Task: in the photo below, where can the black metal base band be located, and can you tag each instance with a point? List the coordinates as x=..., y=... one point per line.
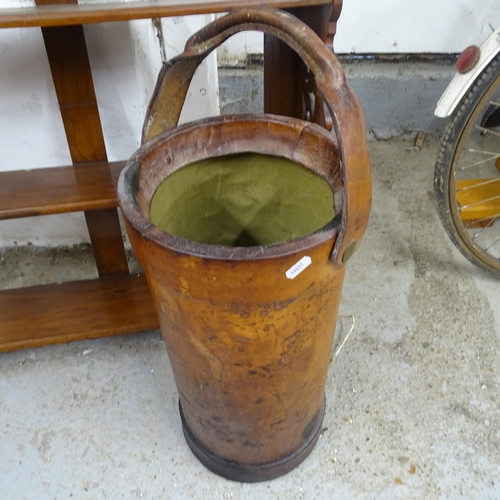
x=252, y=473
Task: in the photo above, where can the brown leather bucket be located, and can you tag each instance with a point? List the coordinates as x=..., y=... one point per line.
x=249, y=329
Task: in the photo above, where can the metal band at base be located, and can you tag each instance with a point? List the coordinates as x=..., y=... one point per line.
x=252, y=473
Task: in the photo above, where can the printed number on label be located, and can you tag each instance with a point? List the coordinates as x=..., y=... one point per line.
x=297, y=268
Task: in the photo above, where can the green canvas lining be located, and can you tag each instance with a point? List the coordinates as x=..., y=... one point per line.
x=244, y=199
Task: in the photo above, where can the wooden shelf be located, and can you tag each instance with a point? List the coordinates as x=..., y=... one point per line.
x=52, y=314
x=116, y=303
x=44, y=191
x=71, y=14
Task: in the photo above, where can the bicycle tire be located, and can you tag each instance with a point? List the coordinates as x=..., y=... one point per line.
x=457, y=132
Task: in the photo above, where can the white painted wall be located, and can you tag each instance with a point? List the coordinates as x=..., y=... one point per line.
x=385, y=26
x=414, y=25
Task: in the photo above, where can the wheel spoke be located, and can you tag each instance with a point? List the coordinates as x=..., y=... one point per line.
x=492, y=245
x=487, y=130
x=480, y=202
x=490, y=223
x=467, y=177
x=490, y=156
x=479, y=184
x=491, y=220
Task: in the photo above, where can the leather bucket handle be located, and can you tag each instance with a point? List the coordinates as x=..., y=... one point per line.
x=175, y=77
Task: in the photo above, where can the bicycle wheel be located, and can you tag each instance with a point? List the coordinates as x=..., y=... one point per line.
x=467, y=172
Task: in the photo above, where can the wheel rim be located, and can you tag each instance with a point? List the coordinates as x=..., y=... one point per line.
x=474, y=183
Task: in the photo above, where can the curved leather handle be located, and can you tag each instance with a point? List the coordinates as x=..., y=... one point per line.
x=173, y=83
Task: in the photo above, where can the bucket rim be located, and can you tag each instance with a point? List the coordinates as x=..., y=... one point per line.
x=147, y=230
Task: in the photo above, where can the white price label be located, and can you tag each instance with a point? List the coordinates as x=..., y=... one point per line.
x=297, y=268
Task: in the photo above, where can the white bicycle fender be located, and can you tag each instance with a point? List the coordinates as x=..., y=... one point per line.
x=461, y=83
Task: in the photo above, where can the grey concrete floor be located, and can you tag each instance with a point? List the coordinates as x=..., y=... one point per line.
x=412, y=400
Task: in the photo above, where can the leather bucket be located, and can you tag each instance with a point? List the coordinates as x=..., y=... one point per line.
x=248, y=319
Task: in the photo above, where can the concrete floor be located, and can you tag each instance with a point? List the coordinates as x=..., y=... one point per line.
x=412, y=401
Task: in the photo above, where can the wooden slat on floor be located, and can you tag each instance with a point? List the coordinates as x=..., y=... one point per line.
x=56, y=190
x=51, y=314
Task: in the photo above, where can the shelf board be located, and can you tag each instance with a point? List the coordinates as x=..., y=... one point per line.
x=56, y=190
x=53, y=314
x=71, y=14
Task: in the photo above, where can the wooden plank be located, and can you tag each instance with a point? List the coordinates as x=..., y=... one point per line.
x=45, y=191
x=66, y=15
x=107, y=241
x=479, y=198
x=284, y=72
x=72, y=76
x=51, y=314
